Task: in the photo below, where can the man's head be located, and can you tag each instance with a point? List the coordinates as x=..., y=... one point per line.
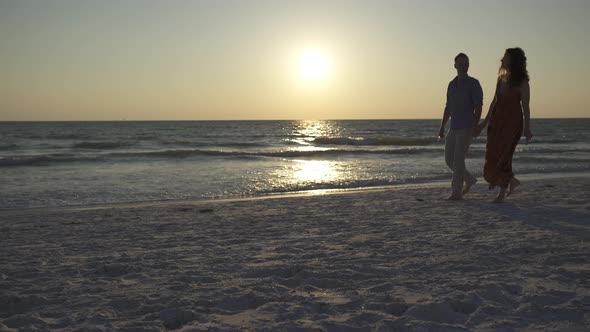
x=462, y=64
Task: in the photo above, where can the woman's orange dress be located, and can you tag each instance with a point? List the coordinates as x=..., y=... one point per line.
x=504, y=132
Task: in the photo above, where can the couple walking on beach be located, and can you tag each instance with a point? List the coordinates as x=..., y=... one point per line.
x=507, y=120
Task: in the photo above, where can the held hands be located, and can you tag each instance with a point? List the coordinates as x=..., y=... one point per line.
x=477, y=129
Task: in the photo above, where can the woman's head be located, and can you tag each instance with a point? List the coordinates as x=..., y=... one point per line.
x=513, y=66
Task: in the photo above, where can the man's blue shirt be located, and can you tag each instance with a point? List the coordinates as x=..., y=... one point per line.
x=463, y=96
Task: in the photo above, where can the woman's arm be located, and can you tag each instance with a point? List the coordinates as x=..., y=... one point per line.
x=490, y=111
x=525, y=99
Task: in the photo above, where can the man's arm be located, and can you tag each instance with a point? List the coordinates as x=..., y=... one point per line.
x=443, y=122
x=477, y=114
x=445, y=118
x=478, y=101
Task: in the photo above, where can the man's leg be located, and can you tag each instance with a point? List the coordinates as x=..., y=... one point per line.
x=450, y=151
x=469, y=179
x=462, y=141
x=450, y=148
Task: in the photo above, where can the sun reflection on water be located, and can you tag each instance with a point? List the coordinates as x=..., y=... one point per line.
x=305, y=132
x=304, y=172
x=314, y=171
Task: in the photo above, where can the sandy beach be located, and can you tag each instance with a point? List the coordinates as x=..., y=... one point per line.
x=396, y=259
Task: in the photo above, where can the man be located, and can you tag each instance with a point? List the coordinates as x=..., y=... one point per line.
x=464, y=101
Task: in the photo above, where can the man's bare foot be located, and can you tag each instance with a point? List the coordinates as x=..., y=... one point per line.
x=513, y=184
x=468, y=185
x=454, y=198
x=500, y=197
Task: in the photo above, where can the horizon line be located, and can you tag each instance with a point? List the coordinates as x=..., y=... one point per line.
x=220, y=120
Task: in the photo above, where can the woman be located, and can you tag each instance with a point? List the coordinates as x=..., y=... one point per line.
x=505, y=122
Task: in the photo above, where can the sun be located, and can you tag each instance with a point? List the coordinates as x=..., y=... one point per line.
x=313, y=65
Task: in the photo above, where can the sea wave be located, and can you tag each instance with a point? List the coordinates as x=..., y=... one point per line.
x=383, y=140
x=548, y=140
x=178, y=142
x=548, y=156
x=185, y=153
x=97, y=145
x=244, y=145
x=541, y=155
x=146, y=137
x=6, y=147
x=213, y=144
x=415, y=141
x=353, y=184
x=70, y=136
x=42, y=160
x=550, y=160
x=556, y=150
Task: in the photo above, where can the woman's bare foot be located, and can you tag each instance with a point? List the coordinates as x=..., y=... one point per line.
x=513, y=184
x=500, y=197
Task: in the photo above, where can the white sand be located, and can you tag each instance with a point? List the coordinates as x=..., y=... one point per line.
x=384, y=260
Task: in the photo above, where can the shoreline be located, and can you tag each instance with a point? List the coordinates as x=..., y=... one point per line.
x=278, y=195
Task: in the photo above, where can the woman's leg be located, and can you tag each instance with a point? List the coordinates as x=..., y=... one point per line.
x=501, y=196
x=514, y=182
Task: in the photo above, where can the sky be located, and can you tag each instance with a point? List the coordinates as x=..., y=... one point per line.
x=242, y=59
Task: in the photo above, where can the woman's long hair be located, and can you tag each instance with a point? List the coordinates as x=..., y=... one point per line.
x=517, y=72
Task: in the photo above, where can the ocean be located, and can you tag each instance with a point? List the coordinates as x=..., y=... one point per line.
x=54, y=164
